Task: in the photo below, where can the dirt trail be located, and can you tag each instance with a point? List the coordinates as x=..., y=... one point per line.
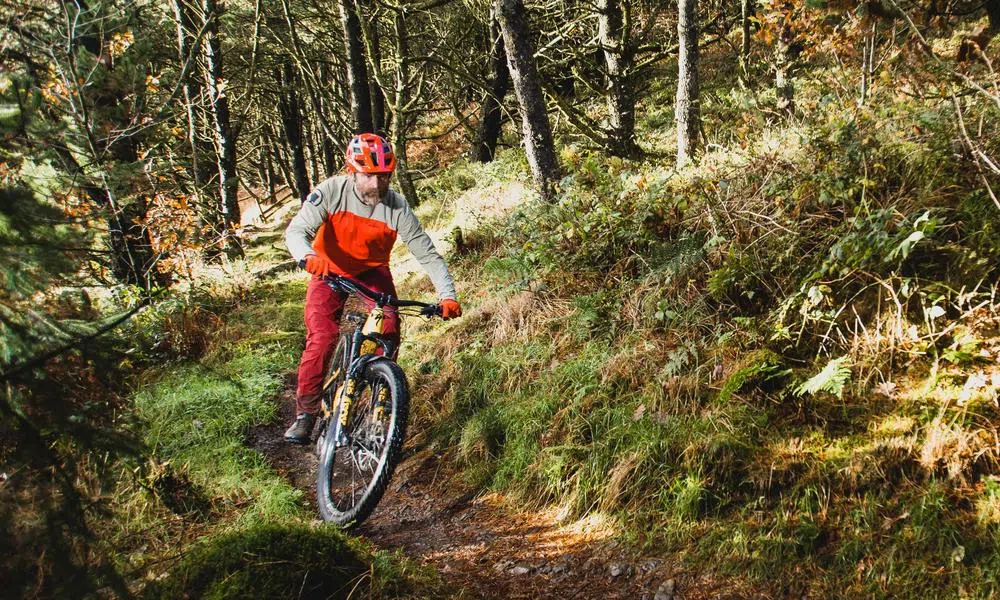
x=481, y=547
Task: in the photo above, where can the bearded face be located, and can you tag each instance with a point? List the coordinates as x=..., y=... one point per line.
x=371, y=187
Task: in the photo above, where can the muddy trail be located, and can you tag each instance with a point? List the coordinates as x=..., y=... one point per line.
x=482, y=547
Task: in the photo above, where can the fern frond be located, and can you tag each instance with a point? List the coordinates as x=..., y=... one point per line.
x=832, y=379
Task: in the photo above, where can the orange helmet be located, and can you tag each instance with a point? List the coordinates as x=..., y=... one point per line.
x=370, y=153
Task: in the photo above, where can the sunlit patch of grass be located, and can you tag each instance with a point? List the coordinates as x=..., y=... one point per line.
x=198, y=417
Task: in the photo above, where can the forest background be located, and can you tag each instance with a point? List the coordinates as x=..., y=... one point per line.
x=756, y=280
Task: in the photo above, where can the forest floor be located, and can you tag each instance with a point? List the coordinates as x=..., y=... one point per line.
x=482, y=546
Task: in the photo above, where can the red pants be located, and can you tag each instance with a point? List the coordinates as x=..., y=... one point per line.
x=323, y=310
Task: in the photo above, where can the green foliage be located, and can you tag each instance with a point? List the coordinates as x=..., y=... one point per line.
x=761, y=366
x=60, y=420
x=685, y=497
x=29, y=229
x=831, y=379
x=602, y=221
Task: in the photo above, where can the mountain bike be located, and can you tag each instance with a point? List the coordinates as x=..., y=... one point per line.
x=366, y=401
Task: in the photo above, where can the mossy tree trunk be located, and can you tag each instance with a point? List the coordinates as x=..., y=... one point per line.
x=783, y=59
x=747, y=10
x=613, y=31
x=686, y=109
x=538, y=145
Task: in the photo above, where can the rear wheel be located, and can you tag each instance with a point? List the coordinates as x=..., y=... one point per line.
x=353, y=476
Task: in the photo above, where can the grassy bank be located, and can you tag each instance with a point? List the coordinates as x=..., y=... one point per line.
x=781, y=362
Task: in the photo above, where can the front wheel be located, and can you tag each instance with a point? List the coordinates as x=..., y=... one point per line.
x=353, y=475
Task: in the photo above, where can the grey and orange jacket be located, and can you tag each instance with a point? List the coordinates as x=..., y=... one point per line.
x=335, y=223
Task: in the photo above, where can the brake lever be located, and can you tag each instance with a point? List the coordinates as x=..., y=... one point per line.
x=433, y=310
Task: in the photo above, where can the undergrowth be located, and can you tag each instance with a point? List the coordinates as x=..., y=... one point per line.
x=779, y=362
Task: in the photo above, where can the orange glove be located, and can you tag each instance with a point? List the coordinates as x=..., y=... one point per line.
x=317, y=265
x=450, y=309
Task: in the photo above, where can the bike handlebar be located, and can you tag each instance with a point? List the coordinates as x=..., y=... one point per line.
x=345, y=284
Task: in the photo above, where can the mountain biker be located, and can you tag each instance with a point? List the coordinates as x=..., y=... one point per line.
x=347, y=226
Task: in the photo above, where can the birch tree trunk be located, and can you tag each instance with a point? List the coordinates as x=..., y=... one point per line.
x=538, y=144
x=491, y=118
x=225, y=144
x=357, y=71
x=620, y=92
x=686, y=109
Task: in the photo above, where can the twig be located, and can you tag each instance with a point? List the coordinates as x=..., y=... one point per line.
x=975, y=152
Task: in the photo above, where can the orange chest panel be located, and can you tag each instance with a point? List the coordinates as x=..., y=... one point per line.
x=355, y=244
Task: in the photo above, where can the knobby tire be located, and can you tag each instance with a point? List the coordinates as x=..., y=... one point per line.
x=340, y=469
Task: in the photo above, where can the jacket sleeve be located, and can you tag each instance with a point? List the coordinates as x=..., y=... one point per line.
x=302, y=230
x=423, y=249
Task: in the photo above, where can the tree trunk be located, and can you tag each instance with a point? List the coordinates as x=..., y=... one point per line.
x=130, y=250
x=184, y=25
x=783, y=84
x=379, y=125
x=747, y=9
x=620, y=93
x=357, y=71
x=329, y=156
x=867, y=62
x=538, y=144
x=402, y=122
x=310, y=137
x=281, y=155
x=267, y=162
x=225, y=143
x=491, y=120
x=686, y=109
x=291, y=121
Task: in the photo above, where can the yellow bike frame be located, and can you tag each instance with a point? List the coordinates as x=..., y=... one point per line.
x=375, y=323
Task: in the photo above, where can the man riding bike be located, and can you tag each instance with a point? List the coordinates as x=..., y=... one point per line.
x=347, y=226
